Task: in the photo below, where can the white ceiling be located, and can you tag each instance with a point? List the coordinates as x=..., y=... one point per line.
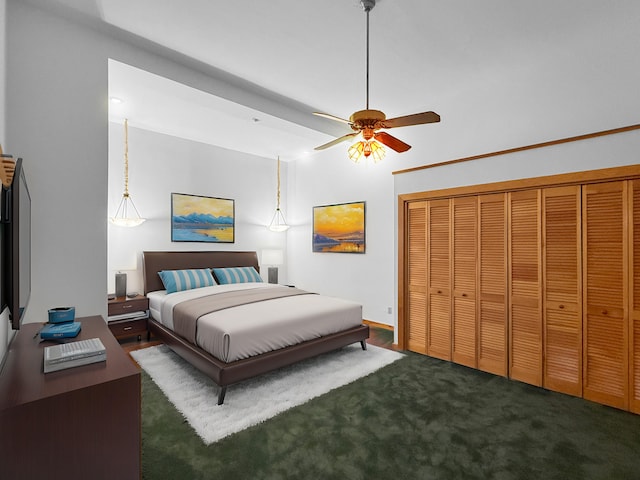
x=423, y=54
x=160, y=105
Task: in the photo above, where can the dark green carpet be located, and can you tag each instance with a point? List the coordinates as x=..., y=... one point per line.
x=418, y=418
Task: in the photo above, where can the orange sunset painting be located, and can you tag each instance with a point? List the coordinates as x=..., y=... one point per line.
x=339, y=228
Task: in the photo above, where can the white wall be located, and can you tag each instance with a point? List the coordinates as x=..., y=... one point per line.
x=592, y=154
x=251, y=181
x=57, y=87
x=330, y=178
x=585, y=83
x=57, y=106
x=161, y=164
x=57, y=92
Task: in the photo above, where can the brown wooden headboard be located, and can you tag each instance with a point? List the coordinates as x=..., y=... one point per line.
x=154, y=262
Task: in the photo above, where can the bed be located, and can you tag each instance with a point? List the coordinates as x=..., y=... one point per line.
x=235, y=361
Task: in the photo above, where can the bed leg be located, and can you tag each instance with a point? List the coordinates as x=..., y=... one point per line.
x=221, y=393
x=364, y=344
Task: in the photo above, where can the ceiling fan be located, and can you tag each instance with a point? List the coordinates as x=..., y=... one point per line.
x=369, y=122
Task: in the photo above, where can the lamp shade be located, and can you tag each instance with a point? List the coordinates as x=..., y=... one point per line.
x=366, y=148
x=278, y=222
x=272, y=257
x=122, y=217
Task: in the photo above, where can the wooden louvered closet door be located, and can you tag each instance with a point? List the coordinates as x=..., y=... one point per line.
x=464, y=272
x=416, y=324
x=634, y=346
x=605, y=302
x=492, y=284
x=438, y=278
x=525, y=287
x=562, y=280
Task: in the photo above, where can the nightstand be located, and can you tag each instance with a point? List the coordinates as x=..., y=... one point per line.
x=128, y=316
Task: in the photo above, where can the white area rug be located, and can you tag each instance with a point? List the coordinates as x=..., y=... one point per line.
x=195, y=395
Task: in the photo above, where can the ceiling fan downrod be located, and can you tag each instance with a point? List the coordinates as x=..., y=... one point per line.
x=368, y=123
x=367, y=5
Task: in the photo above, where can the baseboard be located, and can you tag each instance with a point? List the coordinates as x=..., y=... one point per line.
x=371, y=323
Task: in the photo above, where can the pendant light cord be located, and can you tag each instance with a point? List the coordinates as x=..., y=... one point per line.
x=278, y=196
x=126, y=157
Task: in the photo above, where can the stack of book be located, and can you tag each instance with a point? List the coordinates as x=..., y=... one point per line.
x=61, y=324
x=73, y=354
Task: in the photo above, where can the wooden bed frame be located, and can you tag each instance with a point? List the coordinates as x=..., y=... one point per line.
x=225, y=374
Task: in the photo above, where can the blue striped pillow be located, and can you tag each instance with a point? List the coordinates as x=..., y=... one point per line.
x=179, y=280
x=237, y=275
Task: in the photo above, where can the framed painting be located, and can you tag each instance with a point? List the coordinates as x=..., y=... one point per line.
x=195, y=218
x=339, y=228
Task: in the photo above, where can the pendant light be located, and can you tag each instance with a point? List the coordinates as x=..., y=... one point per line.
x=278, y=222
x=126, y=207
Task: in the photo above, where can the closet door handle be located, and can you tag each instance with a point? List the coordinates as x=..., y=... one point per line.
x=561, y=306
x=439, y=291
x=464, y=294
x=604, y=312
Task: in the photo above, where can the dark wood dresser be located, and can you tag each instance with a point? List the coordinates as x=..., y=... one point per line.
x=82, y=422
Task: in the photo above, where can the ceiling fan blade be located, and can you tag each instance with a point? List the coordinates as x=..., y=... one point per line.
x=392, y=142
x=332, y=117
x=337, y=141
x=408, y=120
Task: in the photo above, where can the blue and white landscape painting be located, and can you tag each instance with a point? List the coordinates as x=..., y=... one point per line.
x=202, y=219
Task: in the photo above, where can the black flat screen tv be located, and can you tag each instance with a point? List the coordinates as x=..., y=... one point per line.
x=16, y=246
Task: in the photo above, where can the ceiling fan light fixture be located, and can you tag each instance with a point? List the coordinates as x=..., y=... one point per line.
x=355, y=151
x=366, y=149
